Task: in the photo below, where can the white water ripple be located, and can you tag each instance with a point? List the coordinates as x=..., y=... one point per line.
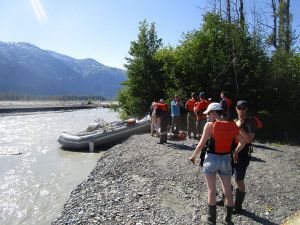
x=36, y=176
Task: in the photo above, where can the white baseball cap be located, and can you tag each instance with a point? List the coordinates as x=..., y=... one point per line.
x=213, y=107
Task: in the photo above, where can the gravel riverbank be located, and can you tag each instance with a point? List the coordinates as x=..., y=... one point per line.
x=35, y=106
x=140, y=182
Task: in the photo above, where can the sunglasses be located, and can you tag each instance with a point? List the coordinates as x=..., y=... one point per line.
x=241, y=107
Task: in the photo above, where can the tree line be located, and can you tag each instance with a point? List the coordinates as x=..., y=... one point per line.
x=12, y=96
x=225, y=53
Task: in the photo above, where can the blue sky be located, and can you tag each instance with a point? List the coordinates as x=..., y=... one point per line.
x=103, y=29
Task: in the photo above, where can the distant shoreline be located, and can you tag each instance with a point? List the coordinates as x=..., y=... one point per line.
x=35, y=106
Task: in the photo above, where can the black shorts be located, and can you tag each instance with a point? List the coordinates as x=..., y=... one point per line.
x=239, y=169
x=157, y=112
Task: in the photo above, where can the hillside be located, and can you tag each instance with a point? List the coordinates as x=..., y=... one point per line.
x=25, y=68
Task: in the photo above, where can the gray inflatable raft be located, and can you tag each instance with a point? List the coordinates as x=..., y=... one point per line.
x=109, y=134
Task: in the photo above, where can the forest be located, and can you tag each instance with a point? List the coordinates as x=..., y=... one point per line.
x=252, y=61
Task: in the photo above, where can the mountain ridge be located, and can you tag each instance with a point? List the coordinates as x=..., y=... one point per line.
x=26, y=68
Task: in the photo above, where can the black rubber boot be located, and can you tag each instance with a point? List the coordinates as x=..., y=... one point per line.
x=228, y=215
x=165, y=138
x=239, y=199
x=210, y=218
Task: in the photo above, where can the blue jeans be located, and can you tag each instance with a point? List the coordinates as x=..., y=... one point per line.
x=220, y=164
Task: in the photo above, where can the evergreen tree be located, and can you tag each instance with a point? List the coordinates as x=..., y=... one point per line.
x=145, y=79
x=220, y=56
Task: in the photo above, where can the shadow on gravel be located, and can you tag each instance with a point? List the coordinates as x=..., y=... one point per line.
x=265, y=147
x=257, y=219
x=255, y=159
x=181, y=146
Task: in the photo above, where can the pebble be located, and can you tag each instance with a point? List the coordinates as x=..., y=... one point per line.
x=141, y=183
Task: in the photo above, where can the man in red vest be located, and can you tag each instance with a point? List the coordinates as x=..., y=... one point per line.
x=199, y=108
x=191, y=118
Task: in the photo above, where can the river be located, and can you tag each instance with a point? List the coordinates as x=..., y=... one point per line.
x=36, y=175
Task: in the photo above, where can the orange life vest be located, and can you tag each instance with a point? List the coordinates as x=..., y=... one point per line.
x=222, y=135
x=190, y=104
x=162, y=106
x=201, y=107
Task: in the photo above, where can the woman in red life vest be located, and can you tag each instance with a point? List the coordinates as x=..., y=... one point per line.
x=219, y=135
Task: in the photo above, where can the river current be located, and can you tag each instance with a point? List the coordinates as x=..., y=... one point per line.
x=36, y=175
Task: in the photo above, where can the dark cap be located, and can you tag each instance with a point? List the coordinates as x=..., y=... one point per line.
x=202, y=94
x=242, y=103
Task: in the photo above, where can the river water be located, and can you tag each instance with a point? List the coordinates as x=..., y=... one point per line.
x=36, y=175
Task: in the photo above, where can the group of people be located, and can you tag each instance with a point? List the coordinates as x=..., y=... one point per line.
x=195, y=106
x=226, y=140
x=195, y=117
x=227, y=144
x=160, y=113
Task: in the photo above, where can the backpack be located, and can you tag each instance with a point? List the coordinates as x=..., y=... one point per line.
x=259, y=123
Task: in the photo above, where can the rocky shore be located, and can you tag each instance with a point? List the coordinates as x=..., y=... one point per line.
x=140, y=182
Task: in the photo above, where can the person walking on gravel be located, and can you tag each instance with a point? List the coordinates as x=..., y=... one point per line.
x=219, y=136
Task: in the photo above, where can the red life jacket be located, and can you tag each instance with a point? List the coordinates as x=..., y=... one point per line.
x=190, y=105
x=162, y=106
x=222, y=135
x=259, y=123
x=201, y=107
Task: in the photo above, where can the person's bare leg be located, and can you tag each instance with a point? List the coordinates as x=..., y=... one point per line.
x=226, y=186
x=211, y=189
